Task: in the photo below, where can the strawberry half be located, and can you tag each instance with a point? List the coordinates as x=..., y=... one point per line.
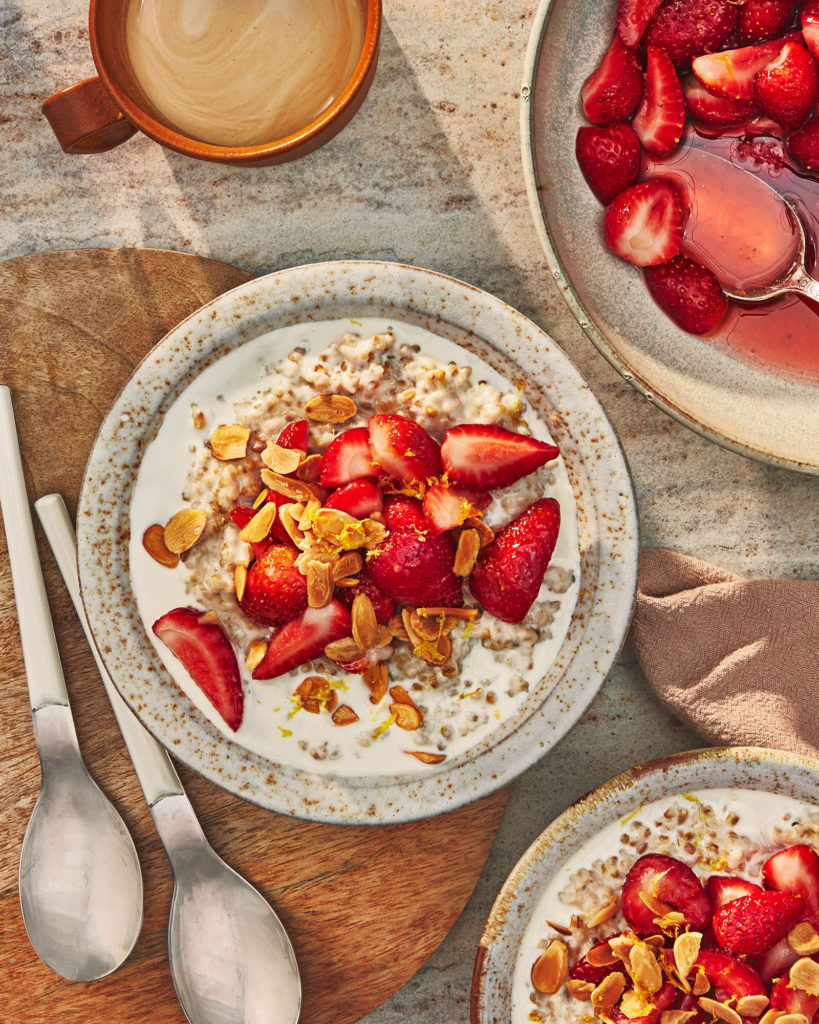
x=796, y=870
x=293, y=435
x=804, y=145
x=809, y=19
x=633, y=17
x=609, y=159
x=403, y=449
x=660, y=118
x=509, y=571
x=776, y=962
x=764, y=19
x=303, y=639
x=730, y=977
x=793, y=1000
x=448, y=507
x=672, y=883
x=723, y=889
x=275, y=590
x=732, y=72
x=686, y=28
x=487, y=456
x=359, y=498
x=752, y=924
x=347, y=457
x=613, y=90
x=688, y=292
x=717, y=111
x=785, y=88
x=644, y=224
x=199, y=643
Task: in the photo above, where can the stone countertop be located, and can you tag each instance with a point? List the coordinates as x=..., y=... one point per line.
x=429, y=173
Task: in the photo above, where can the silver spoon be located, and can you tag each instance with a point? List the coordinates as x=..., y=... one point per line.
x=80, y=883
x=231, y=959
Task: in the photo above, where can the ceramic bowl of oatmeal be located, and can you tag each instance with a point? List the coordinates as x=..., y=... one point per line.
x=720, y=813
x=420, y=730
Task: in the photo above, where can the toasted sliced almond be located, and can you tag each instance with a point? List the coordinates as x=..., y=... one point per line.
x=466, y=554
x=316, y=694
x=635, y=1004
x=330, y=522
x=310, y=469
x=396, y=628
x=804, y=975
x=349, y=564
x=344, y=715
x=281, y=460
x=656, y=907
x=306, y=517
x=406, y=717
x=319, y=583
x=676, y=1016
x=377, y=679
x=437, y=653
x=229, y=442
x=720, y=1010
x=792, y=1018
x=551, y=968
x=261, y=498
x=605, y=913
x=412, y=636
x=365, y=624
x=372, y=532
x=485, y=534
x=458, y=613
x=700, y=984
x=772, y=1016
x=428, y=629
x=255, y=652
x=686, y=951
x=426, y=756
x=344, y=650
x=608, y=991
x=330, y=408
x=153, y=540
x=621, y=945
x=803, y=939
x=184, y=529
x=644, y=968
x=655, y=940
x=581, y=990
x=239, y=581
x=296, y=490
x=348, y=582
x=400, y=695
x=752, y=1006
x=260, y=525
x=289, y=516
x=600, y=955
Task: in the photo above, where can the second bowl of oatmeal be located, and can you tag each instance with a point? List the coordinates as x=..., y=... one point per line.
x=324, y=699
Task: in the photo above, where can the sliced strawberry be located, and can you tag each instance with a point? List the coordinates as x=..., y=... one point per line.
x=241, y=515
x=199, y=643
x=275, y=590
x=669, y=881
x=277, y=531
x=764, y=19
x=486, y=456
x=776, y=962
x=796, y=869
x=359, y=498
x=644, y=224
x=804, y=145
x=347, y=457
x=750, y=925
x=448, y=507
x=809, y=18
x=688, y=292
x=722, y=889
x=717, y=111
x=785, y=996
x=729, y=976
x=686, y=28
x=585, y=971
x=293, y=435
x=403, y=449
x=689, y=1003
x=509, y=571
x=612, y=91
x=659, y=1001
x=732, y=72
x=609, y=158
x=383, y=606
x=785, y=88
x=414, y=567
x=633, y=17
x=660, y=119
x=303, y=639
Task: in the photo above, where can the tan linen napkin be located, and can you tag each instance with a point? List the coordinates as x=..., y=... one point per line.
x=737, y=659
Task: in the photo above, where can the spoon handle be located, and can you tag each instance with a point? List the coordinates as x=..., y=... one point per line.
x=807, y=286
x=154, y=769
x=46, y=683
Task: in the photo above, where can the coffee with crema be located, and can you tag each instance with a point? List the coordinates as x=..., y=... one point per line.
x=243, y=72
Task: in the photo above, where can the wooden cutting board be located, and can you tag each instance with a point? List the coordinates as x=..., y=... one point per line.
x=364, y=906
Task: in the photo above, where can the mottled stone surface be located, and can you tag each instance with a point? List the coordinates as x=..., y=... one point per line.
x=428, y=173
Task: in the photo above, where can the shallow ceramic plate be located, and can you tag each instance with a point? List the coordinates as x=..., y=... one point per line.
x=734, y=403
x=520, y=352
x=508, y=946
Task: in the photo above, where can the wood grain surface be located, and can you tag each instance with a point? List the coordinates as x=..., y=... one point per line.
x=365, y=906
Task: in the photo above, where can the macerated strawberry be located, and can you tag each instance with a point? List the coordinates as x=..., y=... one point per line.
x=585, y=971
x=359, y=498
x=383, y=606
x=609, y=158
x=660, y=118
x=690, y=1004
x=293, y=435
x=644, y=224
x=660, y=1001
x=509, y=571
x=688, y=292
x=403, y=449
x=717, y=111
x=686, y=28
x=750, y=925
x=730, y=977
x=486, y=456
x=347, y=457
x=809, y=20
x=804, y=145
x=732, y=72
x=796, y=869
x=275, y=590
x=197, y=640
x=722, y=889
x=764, y=19
x=669, y=881
x=241, y=515
x=633, y=17
x=785, y=88
x=401, y=510
x=447, y=507
x=786, y=997
x=613, y=90
x=303, y=639
x=776, y=962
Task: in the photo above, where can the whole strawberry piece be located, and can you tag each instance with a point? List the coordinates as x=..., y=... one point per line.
x=509, y=571
x=785, y=88
x=275, y=590
x=197, y=640
x=633, y=17
x=644, y=224
x=796, y=870
x=732, y=72
x=809, y=20
x=613, y=90
x=403, y=449
x=686, y=28
x=383, y=606
x=660, y=118
x=764, y=19
x=609, y=158
x=688, y=292
x=717, y=111
x=303, y=639
x=752, y=924
x=723, y=889
x=486, y=456
x=804, y=145
x=668, y=881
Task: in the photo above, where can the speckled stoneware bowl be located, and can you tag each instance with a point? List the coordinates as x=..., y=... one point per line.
x=734, y=403
x=748, y=768
x=513, y=346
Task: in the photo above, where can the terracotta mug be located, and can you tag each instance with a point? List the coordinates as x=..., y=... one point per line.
x=99, y=113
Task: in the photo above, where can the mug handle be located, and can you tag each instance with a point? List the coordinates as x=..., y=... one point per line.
x=85, y=119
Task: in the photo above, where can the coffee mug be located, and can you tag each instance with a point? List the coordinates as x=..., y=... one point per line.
x=99, y=113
